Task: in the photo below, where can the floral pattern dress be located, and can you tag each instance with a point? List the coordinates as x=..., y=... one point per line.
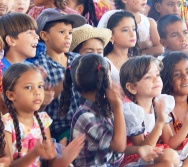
x=29, y=135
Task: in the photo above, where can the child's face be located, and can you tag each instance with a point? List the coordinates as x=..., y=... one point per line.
x=27, y=40
x=59, y=37
x=5, y=6
x=28, y=93
x=180, y=78
x=169, y=7
x=124, y=34
x=92, y=45
x=150, y=85
x=73, y=5
x=135, y=5
x=176, y=37
x=20, y=6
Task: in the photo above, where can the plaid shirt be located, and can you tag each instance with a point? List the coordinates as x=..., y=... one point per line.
x=55, y=72
x=99, y=132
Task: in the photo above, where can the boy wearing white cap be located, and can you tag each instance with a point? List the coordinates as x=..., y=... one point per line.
x=55, y=30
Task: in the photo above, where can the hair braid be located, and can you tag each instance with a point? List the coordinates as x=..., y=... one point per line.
x=16, y=125
x=89, y=7
x=2, y=138
x=66, y=95
x=102, y=85
x=41, y=125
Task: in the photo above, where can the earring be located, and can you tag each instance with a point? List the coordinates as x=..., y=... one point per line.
x=112, y=42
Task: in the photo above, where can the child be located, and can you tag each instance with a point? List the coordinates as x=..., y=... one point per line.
x=173, y=33
x=40, y=5
x=175, y=78
x=6, y=6
x=27, y=131
x=161, y=8
x=55, y=31
x=86, y=8
x=21, y=6
x=18, y=31
x=88, y=39
x=141, y=82
x=147, y=28
x=124, y=41
x=100, y=100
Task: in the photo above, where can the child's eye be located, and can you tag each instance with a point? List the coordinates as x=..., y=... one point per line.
x=125, y=30
x=177, y=75
x=70, y=33
x=179, y=4
x=41, y=86
x=61, y=32
x=28, y=87
x=147, y=77
x=170, y=4
x=186, y=32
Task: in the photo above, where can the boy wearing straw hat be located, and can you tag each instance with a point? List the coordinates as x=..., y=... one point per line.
x=88, y=39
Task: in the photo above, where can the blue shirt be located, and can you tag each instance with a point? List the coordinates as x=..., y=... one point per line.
x=7, y=64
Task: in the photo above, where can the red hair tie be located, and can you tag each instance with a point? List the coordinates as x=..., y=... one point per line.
x=70, y=68
x=99, y=67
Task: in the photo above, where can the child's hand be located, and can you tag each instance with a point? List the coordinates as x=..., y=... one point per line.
x=145, y=44
x=149, y=153
x=5, y=161
x=45, y=150
x=114, y=95
x=73, y=149
x=160, y=108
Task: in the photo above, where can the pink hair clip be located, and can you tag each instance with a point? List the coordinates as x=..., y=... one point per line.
x=99, y=67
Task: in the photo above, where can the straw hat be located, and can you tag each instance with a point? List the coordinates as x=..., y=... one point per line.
x=86, y=32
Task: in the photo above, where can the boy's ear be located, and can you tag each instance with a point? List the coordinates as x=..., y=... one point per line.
x=10, y=40
x=10, y=95
x=80, y=8
x=163, y=42
x=112, y=40
x=131, y=88
x=158, y=7
x=43, y=35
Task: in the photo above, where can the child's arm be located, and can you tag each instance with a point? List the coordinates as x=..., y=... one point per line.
x=157, y=48
x=147, y=153
x=118, y=142
x=157, y=130
x=174, y=141
x=44, y=150
x=69, y=153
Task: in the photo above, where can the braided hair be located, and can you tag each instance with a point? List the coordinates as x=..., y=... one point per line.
x=89, y=11
x=169, y=61
x=10, y=77
x=88, y=73
x=2, y=138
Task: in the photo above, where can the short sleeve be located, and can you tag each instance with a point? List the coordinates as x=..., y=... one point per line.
x=8, y=123
x=134, y=118
x=45, y=118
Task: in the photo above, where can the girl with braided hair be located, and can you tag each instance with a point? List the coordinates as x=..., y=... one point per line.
x=86, y=8
x=90, y=77
x=27, y=130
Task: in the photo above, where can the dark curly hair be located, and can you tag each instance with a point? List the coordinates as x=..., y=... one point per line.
x=134, y=69
x=88, y=73
x=169, y=61
x=10, y=77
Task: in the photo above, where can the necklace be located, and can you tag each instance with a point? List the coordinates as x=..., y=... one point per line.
x=118, y=63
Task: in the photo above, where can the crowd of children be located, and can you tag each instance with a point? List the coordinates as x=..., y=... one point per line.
x=89, y=83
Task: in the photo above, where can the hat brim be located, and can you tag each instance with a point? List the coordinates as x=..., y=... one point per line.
x=83, y=34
